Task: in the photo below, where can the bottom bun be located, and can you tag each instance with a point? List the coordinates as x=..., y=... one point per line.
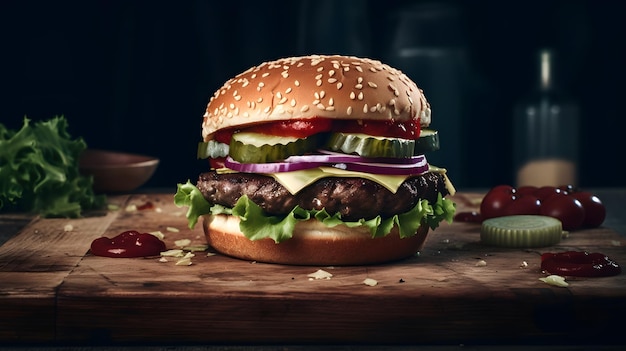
x=313, y=243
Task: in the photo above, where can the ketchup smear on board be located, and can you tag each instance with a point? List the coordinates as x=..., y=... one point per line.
x=128, y=244
x=579, y=264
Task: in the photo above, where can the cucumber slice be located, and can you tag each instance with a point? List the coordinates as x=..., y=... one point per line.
x=212, y=149
x=371, y=146
x=248, y=147
x=428, y=141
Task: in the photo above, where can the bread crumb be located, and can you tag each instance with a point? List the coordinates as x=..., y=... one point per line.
x=481, y=263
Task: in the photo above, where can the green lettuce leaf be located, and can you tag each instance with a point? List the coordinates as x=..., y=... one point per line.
x=39, y=171
x=255, y=224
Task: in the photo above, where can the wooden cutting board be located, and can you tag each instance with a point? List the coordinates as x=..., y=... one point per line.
x=53, y=289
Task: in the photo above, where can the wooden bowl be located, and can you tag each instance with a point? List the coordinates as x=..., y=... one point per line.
x=116, y=172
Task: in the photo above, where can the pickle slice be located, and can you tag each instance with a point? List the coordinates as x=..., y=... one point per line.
x=212, y=149
x=428, y=141
x=371, y=146
x=248, y=147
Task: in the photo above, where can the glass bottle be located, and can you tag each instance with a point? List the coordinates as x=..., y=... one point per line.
x=546, y=127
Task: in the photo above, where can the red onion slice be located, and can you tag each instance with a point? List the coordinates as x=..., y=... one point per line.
x=413, y=165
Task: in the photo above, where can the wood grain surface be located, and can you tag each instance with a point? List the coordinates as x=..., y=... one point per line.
x=53, y=289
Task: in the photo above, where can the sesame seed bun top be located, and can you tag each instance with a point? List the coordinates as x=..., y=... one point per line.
x=337, y=87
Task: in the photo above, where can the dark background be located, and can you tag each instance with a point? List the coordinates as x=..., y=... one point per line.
x=136, y=75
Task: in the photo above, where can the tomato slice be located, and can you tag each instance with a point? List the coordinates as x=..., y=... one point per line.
x=298, y=128
x=395, y=129
x=302, y=128
x=217, y=163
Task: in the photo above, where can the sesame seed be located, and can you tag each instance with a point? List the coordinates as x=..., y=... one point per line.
x=372, y=69
x=246, y=114
x=322, y=94
x=359, y=86
x=318, y=83
x=321, y=68
x=266, y=109
x=279, y=95
x=372, y=85
x=332, y=72
x=285, y=74
x=358, y=68
x=245, y=83
x=296, y=82
x=392, y=102
x=259, y=100
x=352, y=95
x=319, y=76
x=315, y=102
x=359, y=80
x=396, y=111
x=261, y=84
x=237, y=97
x=321, y=107
x=253, y=76
x=332, y=80
x=349, y=110
x=373, y=108
x=293, y=103
x=330, y=108
x=232, y=106
x=339, y=85
x=283, y=100
x=265, y=74
x=331, y=101
x=360, y=96
x=365, y=109
x=288, y=91
x=304, y=108
x=346, y=68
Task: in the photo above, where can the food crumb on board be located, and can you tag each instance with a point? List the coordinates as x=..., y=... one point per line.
x=555, y=280
x=182, y=242
x=524, y=264
x=370, y=282
x=68, y=228
x=172, y=253
x=319, y=274
x=481, y=263
x=186, y=260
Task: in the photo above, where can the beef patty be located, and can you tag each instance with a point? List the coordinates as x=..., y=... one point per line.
x=353, y=198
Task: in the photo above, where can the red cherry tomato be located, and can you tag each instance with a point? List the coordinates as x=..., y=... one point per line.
x=565, y=208
x=595, y=212
x=405, y=129
x=470, y=217
x=527, y=189
x=567, y=189
x=523, y=205
x=496, y=200
x=546, y=192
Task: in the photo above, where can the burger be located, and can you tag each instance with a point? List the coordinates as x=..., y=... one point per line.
x=318, y=160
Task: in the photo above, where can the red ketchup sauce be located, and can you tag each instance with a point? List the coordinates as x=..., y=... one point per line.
x=579, y=264
x=128, y=244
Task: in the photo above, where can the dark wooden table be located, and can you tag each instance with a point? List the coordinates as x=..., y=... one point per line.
x=53, y=291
